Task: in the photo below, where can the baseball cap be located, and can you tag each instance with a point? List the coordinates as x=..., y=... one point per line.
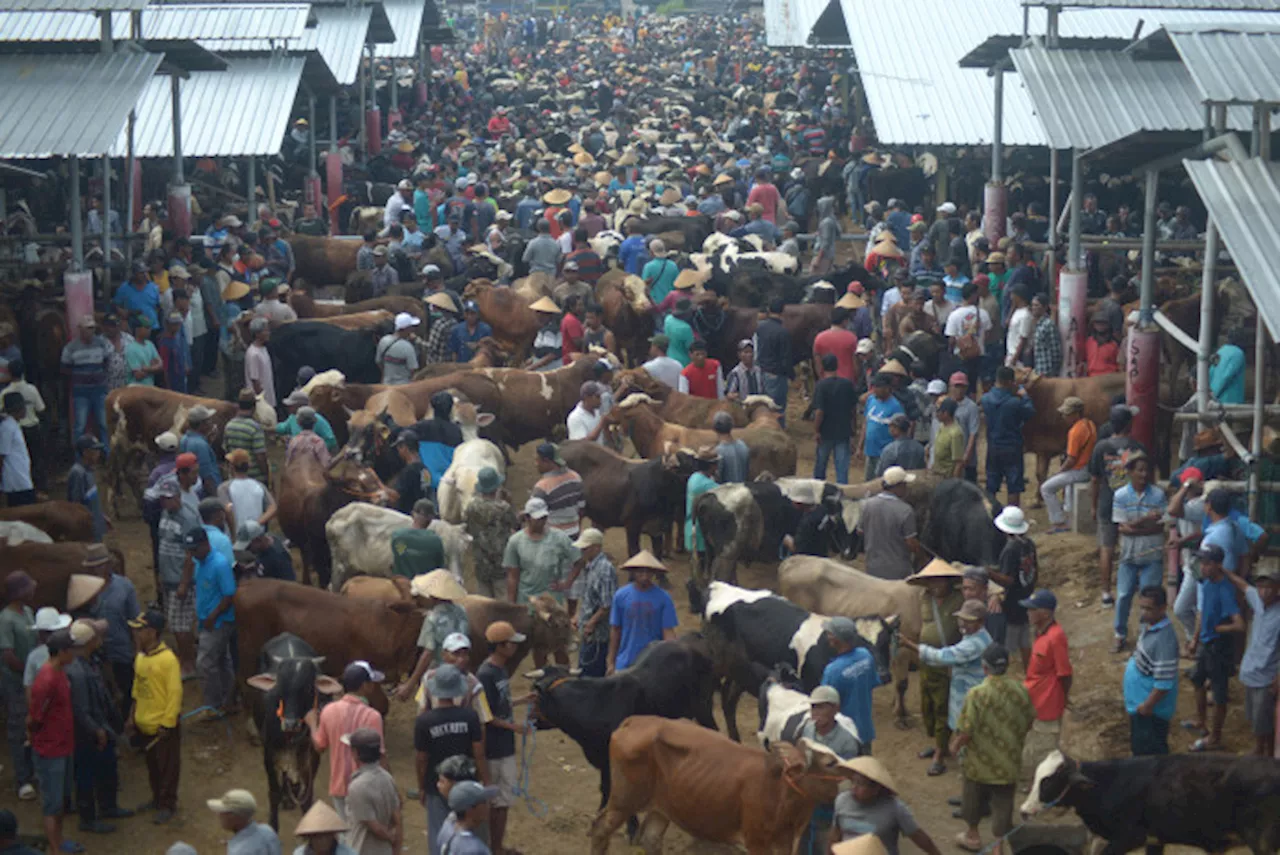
x=895, y=475
x=824, y=695
x=406, y=437
x=195, y=537
x=88, y=442
x=971, y=610
x=1211, y=552
x=1268, y=573
x=250, y=530
x=1191, y=473
x=151, y=618
x=186, y=460
x=360, y=672
x=467, y=794
x=168, y=489
x=549, y=451
x=405, y=321
x=936, y=387
x=866, y=346
x=240, y=802
x=362, y=737
x=500, y=631
x=84, y=631
x=238, y=457
x=1121, y=415
x=1040, y=599
x=167, y=441
x=589, y=537
x=456, y=641
x=842, y=628
x=536, y=508
x=996, y=657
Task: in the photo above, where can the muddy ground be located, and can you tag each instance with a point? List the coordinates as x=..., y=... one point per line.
x=217, y=757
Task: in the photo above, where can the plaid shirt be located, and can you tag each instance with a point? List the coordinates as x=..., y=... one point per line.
x=1048, y=347
x=997, y=714
x=601, y=585
x=438, y=340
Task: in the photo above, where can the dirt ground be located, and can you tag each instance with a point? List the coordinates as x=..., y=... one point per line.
x=217, y=757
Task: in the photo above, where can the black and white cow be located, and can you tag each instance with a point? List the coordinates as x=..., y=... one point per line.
x=740, y=522
x=750, y=633
x=1209, y=801
x=784, y=711
x=290, y=684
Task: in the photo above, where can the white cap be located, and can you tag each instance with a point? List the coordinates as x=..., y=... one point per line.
x=405, y=184
x=536, y=508
x=456, y=641
x=404, y=321
x=895, y=475
x=936, y=387
x=866, y=346
x=167, y=441
x=947, y=208
x=430, y=269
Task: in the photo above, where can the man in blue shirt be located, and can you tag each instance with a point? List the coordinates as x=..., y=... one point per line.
x=139, y=296
x=642, y=613
x=880, y=409
x=467, y=332
x=195, y=441
x=1229, y=529
x=1151, y=677
x=215, y=586
x=852, y=673
x=1262, y=656
x=528, y=207
x=1219, y=618
x=1226, y=371
x=631, y=252
x=1007, y=409
x=213, y=519
x=1138, y=510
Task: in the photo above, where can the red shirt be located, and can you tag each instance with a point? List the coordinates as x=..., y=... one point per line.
x=498, y=126
x=768, y=197
x=1103, y=358
x=842, y=344
x=1050, y=661
x=702, y=381
x=53, y=733
x=345, y=715
x=553, y=217
x=570, y=329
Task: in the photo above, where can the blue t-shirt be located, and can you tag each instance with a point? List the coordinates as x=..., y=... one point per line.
x=460, y=340
x=642, y=616
x=1223, y=533
x=632, y=255
x=878, y=413
x=221, y=543
x=144, y=301
x=853, y=675
x=1153, y=665
x=214, y=580
x=1216, y=602
x=1006, y=413
x=1226, y=375
x=663, y=272
x=199, y=446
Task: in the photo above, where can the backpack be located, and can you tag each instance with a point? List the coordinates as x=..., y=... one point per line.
x=967, y=346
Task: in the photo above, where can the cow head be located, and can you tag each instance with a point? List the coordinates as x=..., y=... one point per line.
x=351, y=477
x=469, y=419
x=294, y=687
x=551, y=625
x=809, y=769
x=881, y=636
x=545, y=682
x=1056, y=776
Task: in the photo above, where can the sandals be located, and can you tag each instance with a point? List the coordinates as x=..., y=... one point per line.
x=1194, y=726
x=964, y=842
x=937, y=768
x=927, y=753
x=1204, y=744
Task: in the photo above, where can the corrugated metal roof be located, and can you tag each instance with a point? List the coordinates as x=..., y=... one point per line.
x=92, y=93
x=1086, y=99
x=241, y=111
x=340, y=37
x=790, y=23
x=74, y=5
x=1251, y=5
x=1244, y=199
x=187, y=21
x=406, y=20
x=1232, y=67
x=308, y=41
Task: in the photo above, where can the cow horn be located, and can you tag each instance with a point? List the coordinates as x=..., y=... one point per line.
x=575, y=672
x=535, y=675
x=319, y=660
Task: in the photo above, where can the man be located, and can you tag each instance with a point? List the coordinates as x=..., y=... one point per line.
x=600, y=583
x=1259, y=666
x=243, y=432
x=195, y=441
x=733, y=453
x=157, y=703
x=372, y=805
x=542, y=254
x=98, y=724
x=1217, y=620
x=967, y=328
x=659, y=274
x=273, y=307
x=1227, y=369
x=1007, y=410
x=1047, y=346
x=500, y=732
x=632, y=252
x=84, y=363
x=15, y=457
x=1107, y=471
x=641, y=614
x=417, y=549
x=1048, y=679
x=30, y=420
x=235, y=810
x=702, y=377
x=903, y=450
x=473, y=804
x=177, y=518
x=1082, y=435
x=348, y=714
x=116, y=605
x=538, y=560
x=490, y=521
x=396, y=355
x=448, y=728
x=1151, y=676
x=852, y=673
x=383, y=276
x=1102, y=350
x=888, y=528
x=838, y=341
x=467, y=333
x=773, y=351
x=679, y=331
x=994, y=722
x=397, y=204
x=263, y=553
x=948, y=446
x=561, y=489
x=765, y=194
x=746, y=378
x=215, y=586
x=1138, y=511
x=873, y=435
x=413, y=482
x=248, y=499
x=50, y=727
x=440, y=595
x=758, y=225
x=661, y=366
x=834, y=405
x=257, y=362
x=289, y=428
x=586, y=420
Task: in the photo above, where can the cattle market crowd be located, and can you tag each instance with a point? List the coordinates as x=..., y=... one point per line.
x=668, y=258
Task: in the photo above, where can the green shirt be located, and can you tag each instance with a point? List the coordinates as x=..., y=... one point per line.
x=540, y=562
x=415, y=551
x=681, y=336
x=289, y=427
x=997, y=714
x=948, y=449
x=441, y=622
x=138, y=356
x=17, y=633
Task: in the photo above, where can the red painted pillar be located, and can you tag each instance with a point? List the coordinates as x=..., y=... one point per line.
x=1142, y=382
x=421, y=89
x=373, y=131
x=1073, y=320
x=333, y=184
x=394, y=119
x=995, y=207
x=180, y=209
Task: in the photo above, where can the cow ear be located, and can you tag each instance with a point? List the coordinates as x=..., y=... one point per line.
x=1079, y=781
x=383, y=430
x=326, y=685
x=262, y=682
x=484, y=419
x=403, y=607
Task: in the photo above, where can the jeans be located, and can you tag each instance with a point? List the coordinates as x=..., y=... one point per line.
x=15, y=706
x=593, y=658
x=1184, y=606
x=825, y=449
x=437, y=813
x=776, y=387
x=1148, y=734
x=82, y=401
x=97, y=780
x=213, y=664
x=869, y=473
x=54, y=777
x=1049, y=492
x=1131, y=578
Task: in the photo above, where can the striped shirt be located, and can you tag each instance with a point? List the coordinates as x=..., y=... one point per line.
x=562, y=491
x=87, y=363
x=244, y=432
x=1154, y=665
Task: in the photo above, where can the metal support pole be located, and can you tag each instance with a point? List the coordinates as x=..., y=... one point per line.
x=1052, y=265
x=179, y=190
x=77, y=216
x=130, y=193
x=997, y=129
x=1051, y=27
x=360, y=85
x=1075, y=257
x=106, y=41
x=251, y=192
x=1147, y=292
x=311, y=136
x=106, y=223
x=333, y=124
x=395, y=88
x=178, y=176
x=1259, y=417
x=1207, y=287
x=1264, y=132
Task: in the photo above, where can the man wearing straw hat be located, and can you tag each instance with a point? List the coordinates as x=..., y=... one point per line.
x=642, y=613
x=871, y=811
x=321, y=830
x=442, y=595
x=938, y=628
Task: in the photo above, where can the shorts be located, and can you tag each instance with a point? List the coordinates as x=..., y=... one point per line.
x=54, y=776
x=180, y=614
x=1260, y=709
x=504, y=773
x=1108, y=534
x=1017, y=636
x=1214, y=661
x=1004, y=465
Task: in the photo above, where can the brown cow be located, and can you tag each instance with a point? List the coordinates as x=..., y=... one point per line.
x=322, y=260
x=52, y=566
x=677, y=407
x=627, y=312
x=1045, y=435
x=514, y=323
x=309, y=494
x=306, y=307
x=394, y=589
x=341, y=629
x=770, y=448
x=136, y=415
x=62, y=521
x=488, y=354
x=543, y=619
x=715, y=789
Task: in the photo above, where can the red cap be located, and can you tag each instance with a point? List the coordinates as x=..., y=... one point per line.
x=1191, y=473
x=982, y=279
x=186, y=460
x=917, y=218
x=856, y=288
x=959, y=379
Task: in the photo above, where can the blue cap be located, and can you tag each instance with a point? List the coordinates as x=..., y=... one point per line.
x=470, y=306
x=1041, y=599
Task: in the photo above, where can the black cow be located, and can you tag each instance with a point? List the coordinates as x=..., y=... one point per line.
x=920, y=353
x=1208, y=801
x=740, y=522
x=290, y=685
x=672, y=679
x=696, y=229
x=961, y=524
x=324, y=346
x=751, y=633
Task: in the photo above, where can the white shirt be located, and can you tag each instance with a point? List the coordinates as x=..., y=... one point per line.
x=395, y=207
x=248, y=499
x=16, y=475
x=891, y=298
x=666, y=370
x=1021, y=326
x=581, y=423
x=968, y=320
x=566, y=241
x=257, y=366
x=197, y=324
x=941, y=312
x=35, y=401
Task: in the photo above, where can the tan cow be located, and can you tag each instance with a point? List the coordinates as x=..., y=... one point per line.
x=1045, y=435
x=52, y=565
x=61, y=520
x=677, y=407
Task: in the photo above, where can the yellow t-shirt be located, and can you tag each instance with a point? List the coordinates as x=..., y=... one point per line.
x=162, y=280
x=157, y=690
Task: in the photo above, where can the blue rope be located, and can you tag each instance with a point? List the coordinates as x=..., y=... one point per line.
x=528, y=743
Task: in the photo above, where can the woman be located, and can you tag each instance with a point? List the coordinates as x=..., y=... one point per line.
x=871, y=806
x=705, y=463
x=319, y=829
x=548, y=344
x=118, y=372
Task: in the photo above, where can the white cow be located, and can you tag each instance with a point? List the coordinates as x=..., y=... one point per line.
x=359, y=538
x=458, y=484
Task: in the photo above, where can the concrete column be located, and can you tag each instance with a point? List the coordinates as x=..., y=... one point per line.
x=179, y=189
x=333, y=167
x=1073, y=319
x=1142, y=381
x=106, y=224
